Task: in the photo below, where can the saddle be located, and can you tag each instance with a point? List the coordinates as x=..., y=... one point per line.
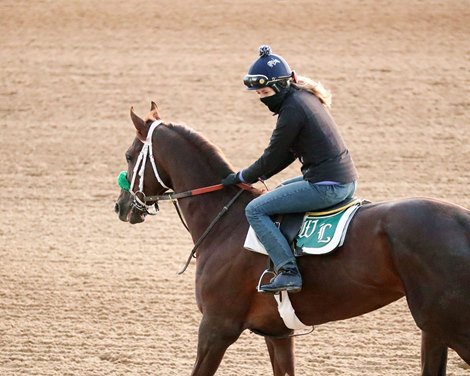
x=312, y=232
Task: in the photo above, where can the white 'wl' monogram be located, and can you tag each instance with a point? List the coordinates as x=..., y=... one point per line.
x=306, y=231
x=321, y=233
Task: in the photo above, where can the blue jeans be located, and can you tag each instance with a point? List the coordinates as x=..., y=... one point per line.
x=293, y=196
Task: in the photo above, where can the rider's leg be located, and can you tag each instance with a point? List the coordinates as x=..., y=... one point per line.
x=296, y=196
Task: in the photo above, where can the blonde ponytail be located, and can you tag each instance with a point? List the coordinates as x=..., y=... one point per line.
x=316, y=88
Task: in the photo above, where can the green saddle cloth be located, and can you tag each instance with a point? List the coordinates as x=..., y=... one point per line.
x=323, y=232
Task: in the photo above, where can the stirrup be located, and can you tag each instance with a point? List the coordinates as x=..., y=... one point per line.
x=267, y=271
x=288, y=289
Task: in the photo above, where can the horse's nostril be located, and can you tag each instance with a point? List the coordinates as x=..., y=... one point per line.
x=116, y=208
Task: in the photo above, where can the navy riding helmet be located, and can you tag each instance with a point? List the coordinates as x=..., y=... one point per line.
x=268, y=70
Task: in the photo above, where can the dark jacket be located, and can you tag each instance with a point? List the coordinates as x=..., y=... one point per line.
x=305, y=130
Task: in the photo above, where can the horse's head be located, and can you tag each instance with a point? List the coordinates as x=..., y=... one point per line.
x=143, y=178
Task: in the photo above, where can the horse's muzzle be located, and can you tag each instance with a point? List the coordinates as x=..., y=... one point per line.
x=123, y=206
x=122, y=211
x=136, y=216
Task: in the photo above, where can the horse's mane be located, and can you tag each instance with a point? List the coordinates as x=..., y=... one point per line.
x=211, y=152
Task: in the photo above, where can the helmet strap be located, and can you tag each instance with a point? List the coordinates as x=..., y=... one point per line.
x=280, y=85
x=276, y=88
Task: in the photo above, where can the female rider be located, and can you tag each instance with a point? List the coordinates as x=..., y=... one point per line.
x=305, y=130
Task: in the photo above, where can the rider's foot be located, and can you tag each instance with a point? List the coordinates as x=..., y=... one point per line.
x=288, y=279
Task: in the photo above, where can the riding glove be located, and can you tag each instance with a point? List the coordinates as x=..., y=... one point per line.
x=231, y=179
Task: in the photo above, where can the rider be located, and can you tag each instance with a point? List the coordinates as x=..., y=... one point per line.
x=304, y=130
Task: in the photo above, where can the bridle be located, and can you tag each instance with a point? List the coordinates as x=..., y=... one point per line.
x=141, y=201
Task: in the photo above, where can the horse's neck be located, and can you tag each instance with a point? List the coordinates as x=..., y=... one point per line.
x=189, y=169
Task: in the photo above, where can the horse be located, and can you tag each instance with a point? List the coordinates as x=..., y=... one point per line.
x=415, y=247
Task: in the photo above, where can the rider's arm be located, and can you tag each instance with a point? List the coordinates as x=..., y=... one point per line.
x=278, y=152
x=282, y=165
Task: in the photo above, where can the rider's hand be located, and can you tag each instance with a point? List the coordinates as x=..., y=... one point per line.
x=231, y=179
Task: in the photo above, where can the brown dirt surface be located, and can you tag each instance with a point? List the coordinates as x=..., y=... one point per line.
x=82, y=293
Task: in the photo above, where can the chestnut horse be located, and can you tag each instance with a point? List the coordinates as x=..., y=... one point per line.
x=418, y=248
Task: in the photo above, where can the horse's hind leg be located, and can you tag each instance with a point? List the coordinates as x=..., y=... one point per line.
x=281, y=352
x=433, y=356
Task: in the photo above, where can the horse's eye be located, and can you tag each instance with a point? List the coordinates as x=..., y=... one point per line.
x=128, y=158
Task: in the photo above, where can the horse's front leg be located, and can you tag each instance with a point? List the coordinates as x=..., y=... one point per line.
x=281, y=352
x=213, y=340
x=433, y=356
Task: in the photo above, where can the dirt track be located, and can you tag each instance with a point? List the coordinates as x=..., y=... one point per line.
x=84, y=294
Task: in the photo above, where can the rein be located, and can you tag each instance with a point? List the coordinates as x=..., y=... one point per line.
x=194, y=192
x=209, y=228
x=172, y=196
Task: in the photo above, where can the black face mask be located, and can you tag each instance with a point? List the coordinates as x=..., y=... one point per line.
x=274, y=102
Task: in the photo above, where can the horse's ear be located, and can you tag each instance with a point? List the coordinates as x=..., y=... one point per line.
x=139, y=124
x=154, y=111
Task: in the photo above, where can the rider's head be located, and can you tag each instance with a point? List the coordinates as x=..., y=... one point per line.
x=268, y=71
